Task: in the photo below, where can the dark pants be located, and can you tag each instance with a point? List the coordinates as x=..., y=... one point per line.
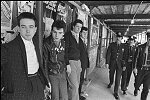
x=129, y=72
x=36, y=91
x=126, y=75
x=123, y=80
x=118, y=71
x=143, y=77
x=37, y=88
x=81, y=79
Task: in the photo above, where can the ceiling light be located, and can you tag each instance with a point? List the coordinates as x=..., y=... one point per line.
x=132, y=21
x=127, y=29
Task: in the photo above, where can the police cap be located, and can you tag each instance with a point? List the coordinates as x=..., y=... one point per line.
x=148, y=34
x=118, y=34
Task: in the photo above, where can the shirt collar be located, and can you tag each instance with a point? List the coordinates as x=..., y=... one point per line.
x=26, y=41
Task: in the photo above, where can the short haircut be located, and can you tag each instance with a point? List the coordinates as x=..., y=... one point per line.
x=26, y=15
x=84, y=28
x=77, y=21
x=59, y=24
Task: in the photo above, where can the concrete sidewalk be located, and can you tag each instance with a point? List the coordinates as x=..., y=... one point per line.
x=98, y=90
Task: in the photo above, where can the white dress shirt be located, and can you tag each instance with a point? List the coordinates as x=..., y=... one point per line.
x=32, y=61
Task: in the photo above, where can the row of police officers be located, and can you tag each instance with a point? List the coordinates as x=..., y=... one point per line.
x=125, y=58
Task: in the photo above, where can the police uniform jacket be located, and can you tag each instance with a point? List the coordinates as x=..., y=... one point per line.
x=116, y=54
x=140, y=56
x=131, y=53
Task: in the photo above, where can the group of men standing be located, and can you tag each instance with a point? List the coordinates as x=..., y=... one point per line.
x=25, y=75
x=125, y=58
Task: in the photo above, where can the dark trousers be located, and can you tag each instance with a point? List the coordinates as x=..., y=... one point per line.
x=81, y=79
x=118, y=71
x=143, y=77
x=129, y=72
x=123, y=80
x=37, y=88
x=126, y=75
x=36, y=91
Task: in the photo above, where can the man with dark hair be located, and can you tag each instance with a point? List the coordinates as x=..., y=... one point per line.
x=142, y=64
x=21, y=60
x=73, y=57
x=115, y=59
x=84, y=58
x=55, y=62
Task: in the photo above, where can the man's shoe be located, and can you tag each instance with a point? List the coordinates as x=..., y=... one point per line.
x=116, y=95
x=135, y=92
x=109, y=86
x=82, y=98
x=124, y=93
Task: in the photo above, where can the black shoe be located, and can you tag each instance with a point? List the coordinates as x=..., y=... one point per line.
x=124, y=93
x=116, y=95
x=109, y=86
x=135, y=92
x=82, y=98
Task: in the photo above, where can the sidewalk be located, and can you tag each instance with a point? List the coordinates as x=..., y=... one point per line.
x=98, y=90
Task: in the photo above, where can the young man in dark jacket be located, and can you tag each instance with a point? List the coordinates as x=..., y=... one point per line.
x=72, y=42
x=84, y=57
x=55, y=62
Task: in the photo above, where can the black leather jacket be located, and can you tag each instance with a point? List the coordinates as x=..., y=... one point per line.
x=54, y=57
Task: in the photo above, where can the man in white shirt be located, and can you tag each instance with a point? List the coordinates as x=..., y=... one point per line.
x=24, y=76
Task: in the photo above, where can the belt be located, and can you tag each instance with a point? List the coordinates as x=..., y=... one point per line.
x=146, y=68
x=32, y=75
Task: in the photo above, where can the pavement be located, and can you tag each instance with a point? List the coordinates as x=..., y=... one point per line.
x=97, y=89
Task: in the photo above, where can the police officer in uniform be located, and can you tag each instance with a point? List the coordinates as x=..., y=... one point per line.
x=115, y=61
x=143, y=63
x=130, y=63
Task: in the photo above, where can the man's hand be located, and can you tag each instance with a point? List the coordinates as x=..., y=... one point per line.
x=48, y=89
x=124, y=68
x=68, y=70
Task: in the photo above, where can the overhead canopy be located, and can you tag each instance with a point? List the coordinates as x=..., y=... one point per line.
x=118, y=15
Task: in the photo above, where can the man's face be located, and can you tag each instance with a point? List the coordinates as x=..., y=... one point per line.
x=131, y=42
x=84, y=34
x=77, y=28
x=57, y=34
x=27, y=28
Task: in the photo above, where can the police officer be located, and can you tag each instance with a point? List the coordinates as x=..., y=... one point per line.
x=131, y=48
x=143, y=63
x=115, y=61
